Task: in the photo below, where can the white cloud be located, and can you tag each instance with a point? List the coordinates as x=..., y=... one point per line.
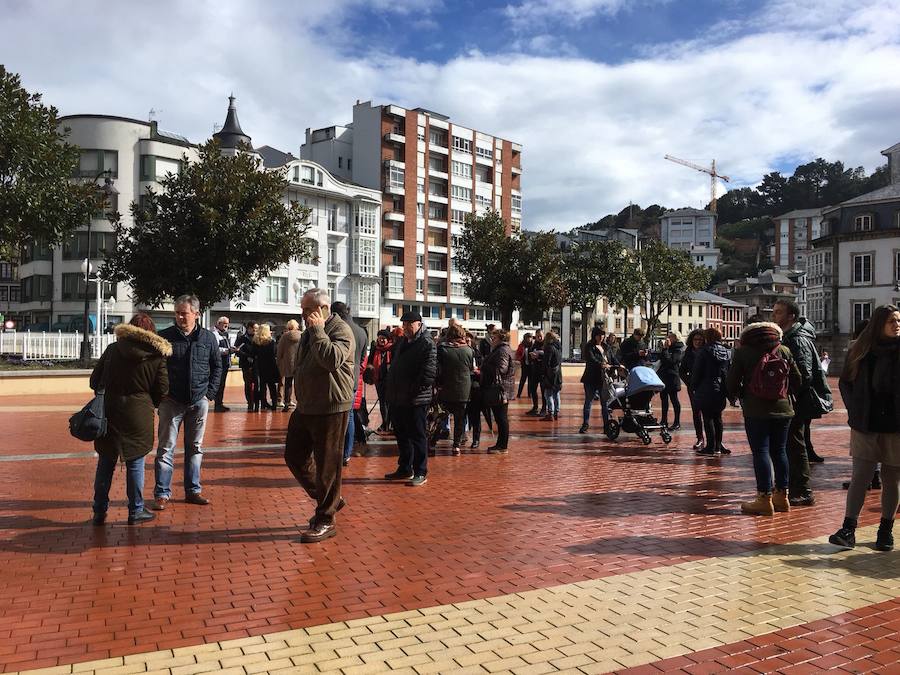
x=594, y=135
x=533, y=15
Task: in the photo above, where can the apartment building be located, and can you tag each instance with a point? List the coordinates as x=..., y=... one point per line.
x=854, y=265
x=793, y=233
x=344, y=226
x=9, y=292
x=694, y=231
x=432, y=173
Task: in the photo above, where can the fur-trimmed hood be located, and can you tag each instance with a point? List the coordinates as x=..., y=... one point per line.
x=763, y=334
x=143, y=340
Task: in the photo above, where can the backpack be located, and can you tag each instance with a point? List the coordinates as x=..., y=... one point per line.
x=769, y=380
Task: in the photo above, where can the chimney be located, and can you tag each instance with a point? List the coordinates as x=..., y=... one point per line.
x=893, y=155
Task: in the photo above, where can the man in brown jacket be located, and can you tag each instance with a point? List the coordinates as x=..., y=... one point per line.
x=324, y=377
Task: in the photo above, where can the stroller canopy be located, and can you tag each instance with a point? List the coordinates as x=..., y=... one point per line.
x=641, y=379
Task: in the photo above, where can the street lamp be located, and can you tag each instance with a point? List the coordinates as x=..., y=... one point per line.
x=103, y=193
x=109, y=306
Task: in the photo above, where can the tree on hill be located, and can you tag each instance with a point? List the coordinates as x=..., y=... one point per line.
x=509, y=272
x=216, y=229
x=38, y=199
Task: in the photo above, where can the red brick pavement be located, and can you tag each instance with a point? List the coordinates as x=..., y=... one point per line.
x=559, y=508
x=866, y=640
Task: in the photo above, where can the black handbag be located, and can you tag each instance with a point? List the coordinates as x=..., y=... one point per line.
x=89, y=423
x=494, y=394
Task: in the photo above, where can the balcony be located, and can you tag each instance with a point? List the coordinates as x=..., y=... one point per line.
x=440, y=149
x=392, y=137
x=438, y=248
x=334, y=268
x=438, y=173
x=394, y=189
x=395, y=216
x=437, y=199
x=338, y=228
x=516, y=171
x=394, y=243
x=395, y=110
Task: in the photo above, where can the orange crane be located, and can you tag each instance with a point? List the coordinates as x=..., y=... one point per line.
x=713, y=174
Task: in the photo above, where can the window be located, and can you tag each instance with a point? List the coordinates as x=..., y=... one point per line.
x=896, y=265
x=690, y=310
x=92, y=162
x=454, y=263
x=457, y=289
x=312, y=255
x=437, y=262
x=6, y=270
x=481, y=200
x=863, y=222
x=36, y=250
x=420, y=133
x=420, y=261
x=277, y=289
x=365, y=256
x=366, y=218
x=437, y=188
x=77, y=247
x=420, y=285
x=437, y=287
x=349, y=164
x=516, y=202
x=437, y=163
x=862, y=268
x=366, y=299
x=156, y=168
x=37, y=288
x=484, y=152
x=437, y=137
x=395, y=282
x=862, y=311
x=463, y=144
x=420, y=209
x=463, y=193
x=458, y=217
x=483, y=175
x=305, y=284
x=308, y=175
x=340, y=162
x=462, y=169
x=420, y=186
x=515, y=223
x=420, y=235
x=333, y=264
x=73, y=287
x=397, y=176
x=437, y=212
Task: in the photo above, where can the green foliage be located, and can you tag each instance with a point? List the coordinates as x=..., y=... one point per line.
x=665, y=275
x=215, y=230
x=38, y=201
x=515, y=272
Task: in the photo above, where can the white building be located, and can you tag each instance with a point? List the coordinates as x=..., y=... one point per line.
x=432, y=173
x=344, y=224
x=793, y=233
x=694, y=231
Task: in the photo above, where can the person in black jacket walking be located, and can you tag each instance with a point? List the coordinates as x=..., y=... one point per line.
x=594, y=377
x=409, y=391
x=870, y=387
x=552, y=374
x=226, y=350
x=194, y=369
x=708, y=385
x=669, y=360
x=695, y=342
x=243, y=346
x=634, y=350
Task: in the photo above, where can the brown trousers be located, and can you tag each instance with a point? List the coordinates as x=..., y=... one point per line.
x=313, y=451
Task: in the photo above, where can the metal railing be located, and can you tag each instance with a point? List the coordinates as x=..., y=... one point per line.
x=50, y=346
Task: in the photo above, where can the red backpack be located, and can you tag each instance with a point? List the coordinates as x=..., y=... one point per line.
x=769, y=380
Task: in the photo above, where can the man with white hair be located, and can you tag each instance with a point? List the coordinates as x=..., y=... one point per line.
x=195, y=367
x=324, y=377
x=225, y=350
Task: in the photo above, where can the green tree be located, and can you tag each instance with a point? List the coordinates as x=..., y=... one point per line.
x=666, y=275
x=38, y=200
x=215, y=229
x=592, y=269
x=509, y=272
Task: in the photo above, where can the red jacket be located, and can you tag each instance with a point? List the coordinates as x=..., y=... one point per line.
x=360, y=385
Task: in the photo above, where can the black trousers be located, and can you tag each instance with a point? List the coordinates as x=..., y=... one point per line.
x=670, y=394
x=524, y=379
x=697, y=414
x=712, y=424
x=412, y=442
x=534, y=381
x=250, y=385
x=473, y=414
x=220, y=394
x=501, y=416
x=798, y=460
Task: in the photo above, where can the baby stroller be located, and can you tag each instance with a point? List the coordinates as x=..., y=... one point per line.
x=633, y=397
x=435, y=423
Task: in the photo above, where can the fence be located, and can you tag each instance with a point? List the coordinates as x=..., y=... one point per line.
x=50, y=346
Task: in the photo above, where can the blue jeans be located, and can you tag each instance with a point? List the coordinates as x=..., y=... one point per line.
x=134, y=484
x=349, y=436
x=589, y=391
x=171, y=415
x=768, y=440
x=553, y=402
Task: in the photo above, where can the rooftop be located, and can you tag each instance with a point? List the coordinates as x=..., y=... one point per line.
x=687, y=212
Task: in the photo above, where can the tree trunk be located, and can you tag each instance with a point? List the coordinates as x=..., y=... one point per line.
x=506, y=314
x=587, y=323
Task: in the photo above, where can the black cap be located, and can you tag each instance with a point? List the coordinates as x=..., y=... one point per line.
x=411, y=316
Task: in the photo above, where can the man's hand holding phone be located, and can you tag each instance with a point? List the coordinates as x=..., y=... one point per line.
x=316, y=318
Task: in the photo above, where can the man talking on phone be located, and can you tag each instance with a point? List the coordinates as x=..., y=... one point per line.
x=325, y=377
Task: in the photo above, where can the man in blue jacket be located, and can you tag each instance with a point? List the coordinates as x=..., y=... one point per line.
x=195, y=368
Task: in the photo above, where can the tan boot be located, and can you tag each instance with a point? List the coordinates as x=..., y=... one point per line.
x=780, y=501
x=761, y=506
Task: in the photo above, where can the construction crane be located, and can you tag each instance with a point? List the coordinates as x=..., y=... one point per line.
x=713, y=174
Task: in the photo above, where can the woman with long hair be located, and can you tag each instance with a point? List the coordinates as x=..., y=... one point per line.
x=870, y=387
x=498, y=386
x=552, y=374
x=133, y=373
x=455, y=364
x=669, y=359
x=695, y=342
x=265, y=365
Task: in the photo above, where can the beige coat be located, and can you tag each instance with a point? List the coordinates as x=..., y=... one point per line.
x=286, y=352
x=325, y=372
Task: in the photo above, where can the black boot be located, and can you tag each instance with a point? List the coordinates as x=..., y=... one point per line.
x=846, y=536
x=876, y=481
x=885, y=539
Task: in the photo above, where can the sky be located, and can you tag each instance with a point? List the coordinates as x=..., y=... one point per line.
x=596, y=91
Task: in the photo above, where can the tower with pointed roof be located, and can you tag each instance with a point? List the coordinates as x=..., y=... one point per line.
x=231, y=136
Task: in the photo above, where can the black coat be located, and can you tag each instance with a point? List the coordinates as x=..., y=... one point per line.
x=594, y=365
x=814, y=398
x=134, y=374
x=859, y=396
x=410, y=379
x=629, y=353
x=244, y=344
x=669, y=362
x=195, y=367
x=709, y=375
x=552, y=366
x=265, y=364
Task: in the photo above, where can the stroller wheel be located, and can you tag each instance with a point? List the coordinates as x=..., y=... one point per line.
x=646, y=438
x=612, y=430
x=666, y=437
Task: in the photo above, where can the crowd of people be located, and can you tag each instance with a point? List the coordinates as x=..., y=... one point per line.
x=774, y=373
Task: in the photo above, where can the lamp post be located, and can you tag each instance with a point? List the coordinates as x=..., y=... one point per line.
x=103, y=193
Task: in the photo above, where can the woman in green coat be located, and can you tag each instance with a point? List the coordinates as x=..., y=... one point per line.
x=455, y=363
x=133, y=373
